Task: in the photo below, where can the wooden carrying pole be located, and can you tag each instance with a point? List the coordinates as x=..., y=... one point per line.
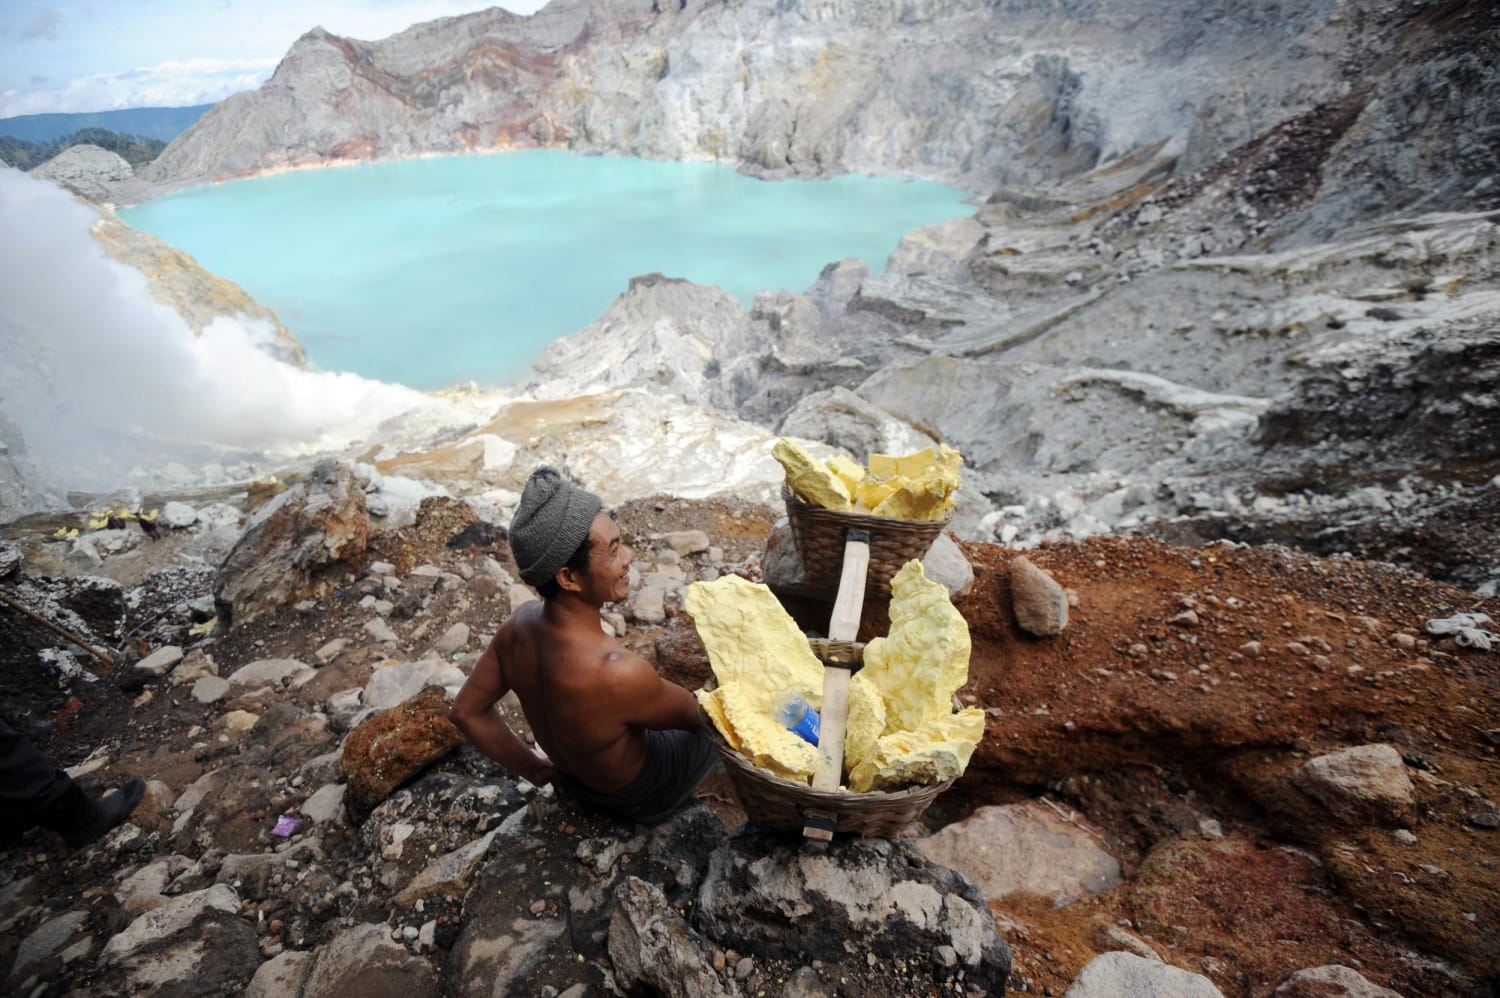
x=843, y=625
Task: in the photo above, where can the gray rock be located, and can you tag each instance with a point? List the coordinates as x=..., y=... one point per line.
x=449, y=874
x=390, y=685
x=282, y=976
x=1125, y=975
x=161, y=661
x=329, y=651
x=378, y=629
x=1023, y=847
x=840, y=418
x=325, y=805
x=297, y=546
x=454, y=639
x=945, y=563
x=1332, y=981
x=86, y=169
x=273, y=672
x=46, y=939
x=1041, y=605
x=210, y=689
x=1109, y=937
x=363, y=962
x=686, y=542
x=197, y=665
x=176, y=916
x=651, y=946
x=1366, y=783
x=760, y=897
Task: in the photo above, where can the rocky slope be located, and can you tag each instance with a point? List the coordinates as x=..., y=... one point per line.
x=1216, y=286
x=1237, y=771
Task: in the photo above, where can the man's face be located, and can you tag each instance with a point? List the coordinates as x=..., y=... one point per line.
x=609, y=561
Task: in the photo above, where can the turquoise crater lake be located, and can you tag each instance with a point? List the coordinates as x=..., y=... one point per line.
x=427, y=272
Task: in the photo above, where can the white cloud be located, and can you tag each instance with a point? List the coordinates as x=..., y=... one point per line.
x=177, y=83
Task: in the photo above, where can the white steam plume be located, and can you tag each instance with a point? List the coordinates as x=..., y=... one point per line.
x=105, y=384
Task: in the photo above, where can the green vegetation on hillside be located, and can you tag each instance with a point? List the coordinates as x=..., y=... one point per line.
x=134, y=149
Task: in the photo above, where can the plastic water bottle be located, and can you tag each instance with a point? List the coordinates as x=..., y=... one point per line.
x=795, y=714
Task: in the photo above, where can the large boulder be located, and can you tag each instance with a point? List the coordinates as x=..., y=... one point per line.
x=1363, y=784
x=861, y=896
x=297, y=546
x=393, y=746
x=363, y=962
x=652, y=947
x=1023, y=847
x=1125, y=975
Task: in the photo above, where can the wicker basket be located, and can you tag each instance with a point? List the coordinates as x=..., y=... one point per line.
x=772, y=802
x=820, y=535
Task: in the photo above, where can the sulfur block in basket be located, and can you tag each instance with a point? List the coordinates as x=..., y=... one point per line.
x=924, y=659
x=866, y=720
x=810, y=478
x=850, y=472
x=751, y=638
x=938, y=752
x=752, y=730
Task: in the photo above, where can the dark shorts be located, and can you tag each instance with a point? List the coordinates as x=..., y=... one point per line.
x=675, y=763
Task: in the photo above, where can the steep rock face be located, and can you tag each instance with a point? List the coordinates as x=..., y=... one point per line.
x=176, y=279
x=962, y=89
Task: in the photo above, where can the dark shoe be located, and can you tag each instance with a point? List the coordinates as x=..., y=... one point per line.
x=80, y=819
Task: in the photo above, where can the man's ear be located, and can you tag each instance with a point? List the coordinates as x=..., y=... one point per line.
x=568, y=579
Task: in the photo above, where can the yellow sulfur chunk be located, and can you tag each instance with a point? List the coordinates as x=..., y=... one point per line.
x=937, y=753
x=761, y=739
x=873, y=491
x=810, y=478
x=851, y=473
x=751, y=638
x=924, y=659
x=709, y=701
x=911, y=501
x=904, y=465
x=866, y=720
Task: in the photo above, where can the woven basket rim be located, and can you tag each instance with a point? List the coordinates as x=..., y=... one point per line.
x=868, y=520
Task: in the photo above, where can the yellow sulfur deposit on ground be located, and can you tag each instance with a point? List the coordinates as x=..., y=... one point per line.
x=921, y=485
x=901, y=727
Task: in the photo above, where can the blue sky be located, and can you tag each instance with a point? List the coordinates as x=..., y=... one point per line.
x=97, y=55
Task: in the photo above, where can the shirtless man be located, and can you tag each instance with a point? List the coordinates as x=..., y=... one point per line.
x=616, y=735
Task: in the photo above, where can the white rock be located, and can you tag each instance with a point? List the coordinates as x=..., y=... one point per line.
x=1125, y=975
x=378, y=629
x=161, y=661
x=1332, y=981
x=178, y=515
x=210, y=689
x=1023, y=847
x=171, y=918
x=1361, y=784
x=326, y=804
x=272, y=672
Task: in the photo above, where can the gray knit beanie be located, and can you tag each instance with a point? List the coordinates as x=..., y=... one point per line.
x=551, y=523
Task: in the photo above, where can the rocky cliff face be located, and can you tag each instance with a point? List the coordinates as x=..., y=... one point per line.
x=977, y=92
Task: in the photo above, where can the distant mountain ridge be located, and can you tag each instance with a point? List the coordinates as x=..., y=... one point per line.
x=164, y=123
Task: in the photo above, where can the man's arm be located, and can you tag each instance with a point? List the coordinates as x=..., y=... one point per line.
x=475, y=715
x=648, y=700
